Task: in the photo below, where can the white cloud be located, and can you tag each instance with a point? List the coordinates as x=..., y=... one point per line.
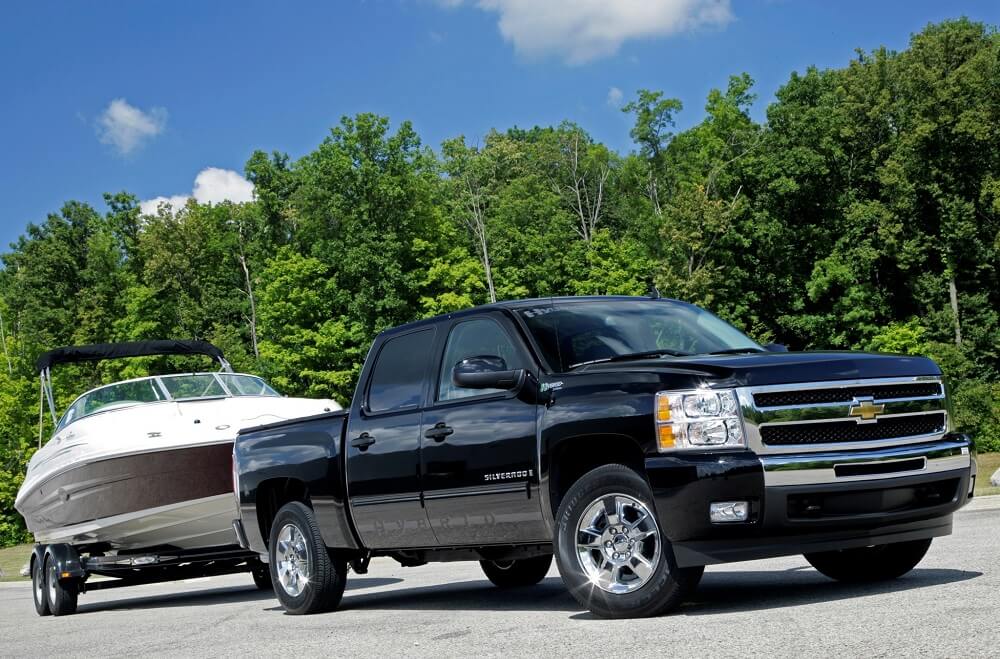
x=615, y=97
x=212, y=186
x=151, y=206
x=126, y=127
x=583, y=30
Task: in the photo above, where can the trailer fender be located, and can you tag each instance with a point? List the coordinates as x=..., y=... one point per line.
x=67, y=561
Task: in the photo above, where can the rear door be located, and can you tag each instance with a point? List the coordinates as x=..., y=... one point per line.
x=383, y=444
x=479, y=450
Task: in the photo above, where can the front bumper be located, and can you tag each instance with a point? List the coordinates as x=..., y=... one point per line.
x=810, y=502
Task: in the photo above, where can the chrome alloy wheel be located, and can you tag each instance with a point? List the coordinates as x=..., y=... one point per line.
x=618, y=543
x=292, y=558
x=39, y=581
x=53, y=580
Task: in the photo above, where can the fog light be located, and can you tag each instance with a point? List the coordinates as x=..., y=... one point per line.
x=728, y=511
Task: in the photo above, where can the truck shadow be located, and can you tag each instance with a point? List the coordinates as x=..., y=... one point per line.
x=720, y=592
x=740, y=592
x=210, y=596
x=728, y=591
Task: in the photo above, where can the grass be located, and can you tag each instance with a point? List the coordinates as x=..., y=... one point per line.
x=988, y=464
x=11, y=561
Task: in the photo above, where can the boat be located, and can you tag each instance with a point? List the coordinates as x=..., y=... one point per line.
x=146, y=463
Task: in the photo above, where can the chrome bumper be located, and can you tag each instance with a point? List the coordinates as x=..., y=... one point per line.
x=853, y=466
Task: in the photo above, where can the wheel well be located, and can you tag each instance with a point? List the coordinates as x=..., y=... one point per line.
x=272, y=495
x=573, y=458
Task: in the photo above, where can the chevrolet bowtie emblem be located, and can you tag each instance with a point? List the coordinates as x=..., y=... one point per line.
x=866, y=411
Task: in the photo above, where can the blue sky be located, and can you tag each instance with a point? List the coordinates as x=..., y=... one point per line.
x=104, y=97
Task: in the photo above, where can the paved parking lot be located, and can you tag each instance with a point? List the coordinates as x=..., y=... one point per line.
x=948, y=606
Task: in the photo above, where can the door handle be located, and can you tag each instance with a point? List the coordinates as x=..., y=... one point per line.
x=363, y=441
x=439, y=432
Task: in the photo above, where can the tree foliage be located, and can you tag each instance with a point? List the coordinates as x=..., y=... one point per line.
x=864, y=213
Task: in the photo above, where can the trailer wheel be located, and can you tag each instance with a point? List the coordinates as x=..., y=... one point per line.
x=60, y=593
x=38, y=586
x=307, y=578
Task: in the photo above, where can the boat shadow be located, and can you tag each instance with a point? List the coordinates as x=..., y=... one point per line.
x=211, y=596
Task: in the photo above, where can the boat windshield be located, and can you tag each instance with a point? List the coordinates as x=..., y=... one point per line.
x=162, y=388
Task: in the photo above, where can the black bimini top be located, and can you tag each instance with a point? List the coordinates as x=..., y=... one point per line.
x=101, y=351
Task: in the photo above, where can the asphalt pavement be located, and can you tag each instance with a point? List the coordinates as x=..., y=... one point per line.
x=949, y=606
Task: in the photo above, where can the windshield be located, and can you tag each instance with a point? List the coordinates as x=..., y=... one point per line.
x=121, y=394
x=573, y=333
x=164, y=387
x=246, y=385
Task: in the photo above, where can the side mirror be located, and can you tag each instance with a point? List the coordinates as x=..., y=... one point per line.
x=776, y=347
x=486, y=372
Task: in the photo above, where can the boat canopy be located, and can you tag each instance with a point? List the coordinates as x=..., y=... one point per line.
x=101, y=351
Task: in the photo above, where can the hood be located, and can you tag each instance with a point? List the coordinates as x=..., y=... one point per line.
x=758, y=369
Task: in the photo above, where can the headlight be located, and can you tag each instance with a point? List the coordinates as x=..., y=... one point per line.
x=698, y=419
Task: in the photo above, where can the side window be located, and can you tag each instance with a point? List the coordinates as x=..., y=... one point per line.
x=398, y=375
x=474, y=338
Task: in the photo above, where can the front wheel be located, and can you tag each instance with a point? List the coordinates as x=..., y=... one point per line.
x=307, y=579
x=61, y=594
x=611, y=552
x=867, y=564
x=519, y=572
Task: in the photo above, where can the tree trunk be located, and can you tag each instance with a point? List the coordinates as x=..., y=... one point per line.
x=3, y=337
x=953, y=294
x=253, y=304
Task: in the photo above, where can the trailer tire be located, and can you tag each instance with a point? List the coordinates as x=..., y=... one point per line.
x=41, y=600
x=61, y=594
x=307, y=578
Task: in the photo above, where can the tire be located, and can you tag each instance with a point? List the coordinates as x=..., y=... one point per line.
x=639, y=588
x=262, y=577
x=517, y=573
x=61, y=593
x=38, y=594
x=307, y=579
x=868, y=564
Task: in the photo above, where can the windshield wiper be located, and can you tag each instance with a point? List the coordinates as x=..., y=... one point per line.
x=735, y=351
x=662, y=352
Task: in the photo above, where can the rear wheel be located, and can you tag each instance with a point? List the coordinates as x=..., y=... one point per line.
x=61, y=593
x=307, y=579
x=867, y=564
x=261, y=574
x=38, y=587
x=611, y=553
x=519, y=572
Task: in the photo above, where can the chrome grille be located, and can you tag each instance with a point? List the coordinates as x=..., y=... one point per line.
x=843, y=415
x=798, y=397
x=836, y=432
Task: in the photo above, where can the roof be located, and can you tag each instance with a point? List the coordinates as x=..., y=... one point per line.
x=102, y=351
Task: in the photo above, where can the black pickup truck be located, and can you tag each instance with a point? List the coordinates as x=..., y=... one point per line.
x=635, y=439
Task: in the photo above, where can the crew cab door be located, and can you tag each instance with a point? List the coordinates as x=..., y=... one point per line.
x=383, y=444
x=478, y=450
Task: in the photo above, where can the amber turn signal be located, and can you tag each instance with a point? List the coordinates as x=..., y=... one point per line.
x=665, y=437
x=663, y=408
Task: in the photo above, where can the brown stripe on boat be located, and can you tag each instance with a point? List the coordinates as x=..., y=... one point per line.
x=128, y=484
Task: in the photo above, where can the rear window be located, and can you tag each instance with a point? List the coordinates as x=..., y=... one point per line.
x=397, y=380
